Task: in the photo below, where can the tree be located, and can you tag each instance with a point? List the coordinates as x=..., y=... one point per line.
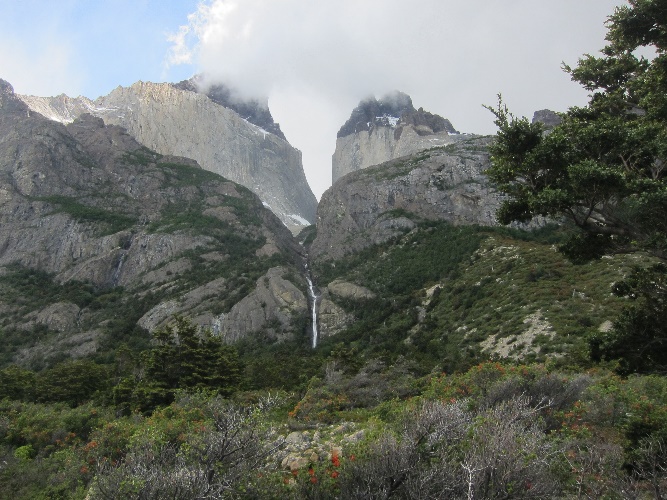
x=604, y=169
x=73, y=382
x=17, y=383
x=183, y=357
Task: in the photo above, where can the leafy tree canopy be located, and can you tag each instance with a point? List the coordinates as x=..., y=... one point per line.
x=604, y=167
x=183, y=357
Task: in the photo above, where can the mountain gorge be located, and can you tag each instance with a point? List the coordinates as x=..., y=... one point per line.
x=148, y=303
x=87, y=203
x=468, y=316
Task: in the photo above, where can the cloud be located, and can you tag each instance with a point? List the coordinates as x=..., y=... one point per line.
x=316, y=60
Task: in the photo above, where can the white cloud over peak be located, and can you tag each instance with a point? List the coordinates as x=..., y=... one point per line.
x=316, y=60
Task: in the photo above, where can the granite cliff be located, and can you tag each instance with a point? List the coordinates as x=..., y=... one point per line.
x=236, y=139
x=109, y=234
x=375, y=204
x=380, y=130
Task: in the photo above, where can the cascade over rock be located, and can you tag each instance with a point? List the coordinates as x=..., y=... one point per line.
x=380, y=130
x=179, y=120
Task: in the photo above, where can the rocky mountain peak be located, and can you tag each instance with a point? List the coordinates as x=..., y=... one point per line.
x=548, y=118
x=395, y=110
x=5, y=88
x=379, y=130
x=235, y=139
x=255, y=111
x=385, y=112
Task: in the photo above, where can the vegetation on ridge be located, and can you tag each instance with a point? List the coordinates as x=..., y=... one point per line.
x=604, y=169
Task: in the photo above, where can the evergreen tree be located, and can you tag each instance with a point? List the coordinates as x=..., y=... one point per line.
x=604, y=169
x=183, y=357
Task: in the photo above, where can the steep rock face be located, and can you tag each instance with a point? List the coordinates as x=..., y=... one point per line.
x=253, y=110
x=270, y=309
x=332, y=318
x=375, y=204
x=88, y=204
x=380, y=130
x=182, y=122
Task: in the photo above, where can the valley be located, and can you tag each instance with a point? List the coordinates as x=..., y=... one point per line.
x=459, y=316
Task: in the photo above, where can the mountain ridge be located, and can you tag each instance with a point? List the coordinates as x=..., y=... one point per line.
x=188, y=123
x=86, y=208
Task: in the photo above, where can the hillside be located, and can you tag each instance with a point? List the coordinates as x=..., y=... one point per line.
x=103, y=240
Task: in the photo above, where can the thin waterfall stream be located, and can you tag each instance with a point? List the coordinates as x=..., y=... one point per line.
x=313, y=305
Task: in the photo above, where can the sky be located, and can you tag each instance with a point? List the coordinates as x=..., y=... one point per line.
x=313, y=60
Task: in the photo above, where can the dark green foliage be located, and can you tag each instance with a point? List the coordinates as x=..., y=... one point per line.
x=603, y=168
x=17, y=383
x=638, y=341
x=179, y=175
x=37, y=289
x=142, y=156
x=107, y=221
x=426, y=256
x=307, y=235
x=184, y=357
x=72, y=382
x=32, y=290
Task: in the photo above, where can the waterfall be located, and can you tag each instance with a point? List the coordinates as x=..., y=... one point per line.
x=119, y=266
x=313, y=301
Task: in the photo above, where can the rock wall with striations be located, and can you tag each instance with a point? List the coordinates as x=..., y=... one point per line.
x=380, y=130
x=184, y=122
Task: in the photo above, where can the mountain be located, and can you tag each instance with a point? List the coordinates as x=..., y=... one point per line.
x=102, y=239
x=247, y=148
x=380, y=130
x=373, y=205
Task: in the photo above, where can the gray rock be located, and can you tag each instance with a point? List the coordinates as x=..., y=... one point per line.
x=548, y=118
x=382, y=130
x=61, y=316
x=270, y=308
x=332, y=318
x=378, y=203
x=173, y=121
x=86, y=202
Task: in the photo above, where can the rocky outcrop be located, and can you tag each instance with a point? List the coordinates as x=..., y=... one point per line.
x=380, y=130
x=270, y=309
x=548, y=118
x=332, y=318
x=179, y=120
x=378, y=203
x=349, y=291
